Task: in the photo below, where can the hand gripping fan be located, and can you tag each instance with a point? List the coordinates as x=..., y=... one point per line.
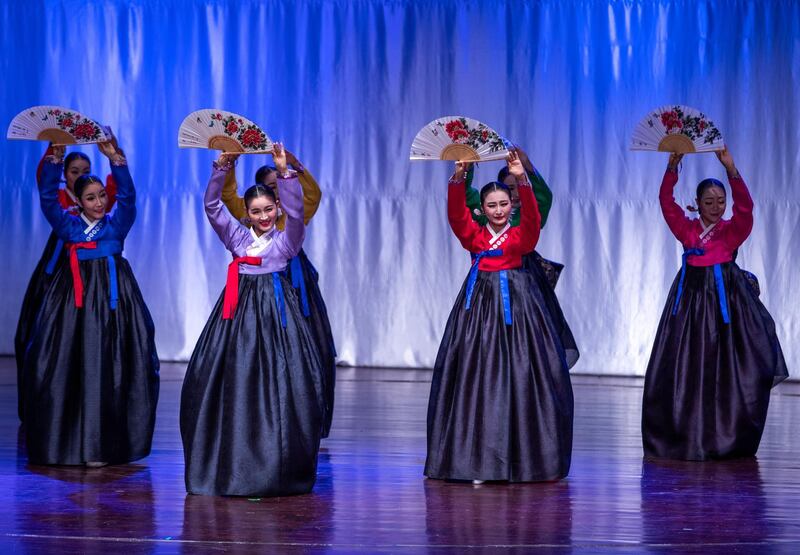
x=220, y=130
x=60, y=126
x=458, y=138
x=676, y=128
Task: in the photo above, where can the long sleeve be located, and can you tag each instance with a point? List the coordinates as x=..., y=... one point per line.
x=543, y=194
x=473, y=197
x=125, y=215
x=291, y=240
x=312, y=195
x=677, y=221
x=530, y=219
x=59, y=220
x=230, y=197
x=111, y=191
x=741, y=223
x=459, y=215
x=222, y=222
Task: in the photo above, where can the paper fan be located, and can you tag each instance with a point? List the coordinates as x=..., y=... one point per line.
x=221, y=130
x=675, y=128
x=458, y=138
x=58, y=125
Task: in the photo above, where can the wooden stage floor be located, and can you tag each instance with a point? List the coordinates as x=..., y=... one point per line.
x=371, y=497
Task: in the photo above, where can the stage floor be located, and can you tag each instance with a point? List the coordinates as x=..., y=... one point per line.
x=371, y=496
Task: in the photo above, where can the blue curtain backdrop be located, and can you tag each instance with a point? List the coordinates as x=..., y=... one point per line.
x=346, y=85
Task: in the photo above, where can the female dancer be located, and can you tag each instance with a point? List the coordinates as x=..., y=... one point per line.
x=716, y=355
x=302, y=274
x=54, y=256
x=91, y=370
x=501, y=399
x=252, y=406
x=544, y=271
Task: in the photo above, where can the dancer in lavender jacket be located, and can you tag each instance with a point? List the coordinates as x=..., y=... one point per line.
x=252, y=405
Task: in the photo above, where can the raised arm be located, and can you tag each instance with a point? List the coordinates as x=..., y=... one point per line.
x=312, y=195
x=473, y=196
x=49, y=178
x=530, y=220
x=677, y=221
x=125, y=193
x=225, y=226
x=741, y=223
x=111, y=184
x=291, y=198
x=543, y=194
x=230, y=197
x=458, y=214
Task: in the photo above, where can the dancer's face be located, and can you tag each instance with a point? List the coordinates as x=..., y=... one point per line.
x=77, y=168
x=262, y=212
x=497, y=207
x=712, y=205
x=511, y=182
x=94, y=201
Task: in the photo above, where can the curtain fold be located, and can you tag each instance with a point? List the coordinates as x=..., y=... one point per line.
x=346, y=86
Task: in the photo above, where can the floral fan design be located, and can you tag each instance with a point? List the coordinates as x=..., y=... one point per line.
x=676, y=128
x=458, y=138
x=60, y=126
x=221, y=130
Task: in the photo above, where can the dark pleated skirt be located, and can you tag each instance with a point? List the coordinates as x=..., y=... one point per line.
x=91, y=374
x=37, y=286
x=321, y=328
x=708, y=383
x=252, y=406
x=546, y=274
x=501, y=403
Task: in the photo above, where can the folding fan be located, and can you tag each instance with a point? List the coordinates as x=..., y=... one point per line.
x=221, y=130
x=458, y=138
x=675, y=128
x=58, y=125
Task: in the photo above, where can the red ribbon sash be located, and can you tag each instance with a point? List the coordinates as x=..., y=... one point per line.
x=77, y=282
x=232, y=284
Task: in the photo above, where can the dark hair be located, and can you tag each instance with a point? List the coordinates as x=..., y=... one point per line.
x=258, y=190
x=706, y=184
x=503, y=173
x=492, y=187
x=72, y=156
x=84, y=181
x=263, y=172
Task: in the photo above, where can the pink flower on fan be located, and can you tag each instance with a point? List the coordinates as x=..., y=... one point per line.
x=217, y=116
x=231, y=128
x=701, y=125
x=84, y=131
x=671, y=121
x=67, y=122
x=455, y=130
x=251, y=138
x=56, y=112
x=484, y=135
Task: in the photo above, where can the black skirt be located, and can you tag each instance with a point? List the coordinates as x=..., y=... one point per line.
x=91, y=374
x=252, y=406
x=321, y=328
x=546, y=274
x=501, y=403
x=37, y=286
x=708, y=383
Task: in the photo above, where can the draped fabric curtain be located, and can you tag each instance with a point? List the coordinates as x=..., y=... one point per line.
x=347, y=84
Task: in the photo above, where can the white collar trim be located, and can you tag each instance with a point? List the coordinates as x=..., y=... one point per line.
x=90, y=223
x=496, y=236
x=706, y=230
x=259, y=243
